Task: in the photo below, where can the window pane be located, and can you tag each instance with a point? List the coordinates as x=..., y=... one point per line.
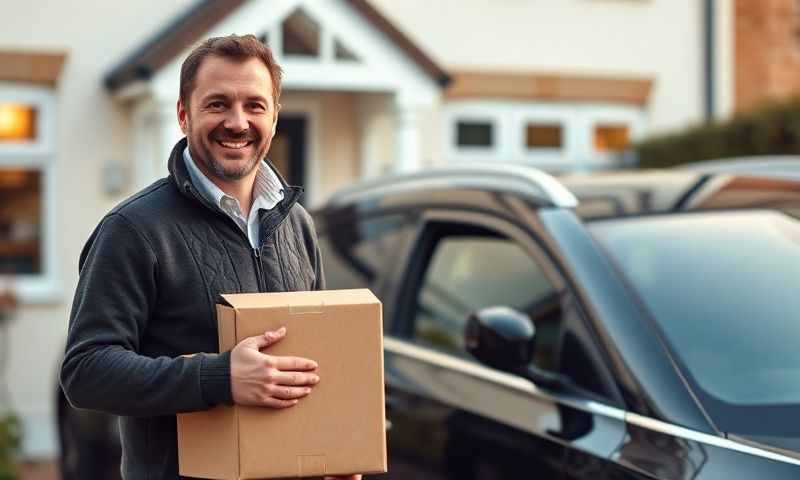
x=471, y=272
x=17, y=122
x=343, y=53
x=20, y=221
x=539, y=135
x=474, y=134
x=300, y=35
x=611, y=138
x=723, y=287
x=356, y=255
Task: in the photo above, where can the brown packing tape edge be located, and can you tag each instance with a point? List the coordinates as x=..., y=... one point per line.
x=306, y=309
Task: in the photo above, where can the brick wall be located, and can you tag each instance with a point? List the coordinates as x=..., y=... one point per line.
x=767, y=51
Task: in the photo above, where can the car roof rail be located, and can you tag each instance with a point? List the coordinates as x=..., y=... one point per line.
x=523, y=180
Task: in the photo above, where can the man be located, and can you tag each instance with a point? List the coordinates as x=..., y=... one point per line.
x=151, y=272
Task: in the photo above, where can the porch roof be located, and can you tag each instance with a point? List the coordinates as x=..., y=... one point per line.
x=187, y=28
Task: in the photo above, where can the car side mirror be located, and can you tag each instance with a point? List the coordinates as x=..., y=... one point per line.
x=503, y=338
x=500, y=337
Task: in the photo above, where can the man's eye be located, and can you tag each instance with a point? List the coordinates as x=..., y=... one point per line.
x=257, y=106
x=216, y=105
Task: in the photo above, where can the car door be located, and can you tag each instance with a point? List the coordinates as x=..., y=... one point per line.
x=451, y=416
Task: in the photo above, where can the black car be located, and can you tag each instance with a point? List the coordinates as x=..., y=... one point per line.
x=647, y=330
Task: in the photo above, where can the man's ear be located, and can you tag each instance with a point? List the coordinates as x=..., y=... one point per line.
x=182, y=119
x=275, y=120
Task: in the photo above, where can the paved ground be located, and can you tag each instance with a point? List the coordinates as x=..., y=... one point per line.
x=40, y=471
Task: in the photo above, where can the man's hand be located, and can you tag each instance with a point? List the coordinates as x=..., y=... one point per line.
x=269, y=381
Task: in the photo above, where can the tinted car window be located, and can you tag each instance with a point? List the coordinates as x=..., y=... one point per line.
x=468, y=271
x=723, y=287
x=355, y=254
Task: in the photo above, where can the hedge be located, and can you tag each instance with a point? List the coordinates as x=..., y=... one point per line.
x=773, y=129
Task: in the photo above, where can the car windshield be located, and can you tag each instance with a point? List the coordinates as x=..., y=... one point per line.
x=724, y=287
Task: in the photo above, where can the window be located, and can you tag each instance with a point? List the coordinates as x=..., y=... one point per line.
x=611, y=138
x=474, y=134
x=467, y=268
x=301, y=34
x=27, y=251
x=342, y=53
x=540, y=135
x=356, y=254
x=20, y=221
x=471, y=269
x=17, y=122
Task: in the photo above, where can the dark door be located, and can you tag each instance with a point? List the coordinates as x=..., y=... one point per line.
x=451, y=417
x=288, y=150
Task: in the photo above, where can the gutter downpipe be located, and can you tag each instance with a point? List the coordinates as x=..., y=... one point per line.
x=709, y=33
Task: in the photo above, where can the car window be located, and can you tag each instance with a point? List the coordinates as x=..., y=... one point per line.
x=722, y=287
x=475, y=269
x=356, y=254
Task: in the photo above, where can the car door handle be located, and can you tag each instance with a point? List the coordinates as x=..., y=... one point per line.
x=388, y=424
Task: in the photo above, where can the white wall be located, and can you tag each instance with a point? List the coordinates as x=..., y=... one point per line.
x=660, y=39
x=91, y=130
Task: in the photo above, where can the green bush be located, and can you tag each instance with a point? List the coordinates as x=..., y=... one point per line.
x=773, y=129
x=10, y=445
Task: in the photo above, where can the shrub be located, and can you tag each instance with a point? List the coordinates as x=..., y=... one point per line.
x=10, y=445
x=773, y=129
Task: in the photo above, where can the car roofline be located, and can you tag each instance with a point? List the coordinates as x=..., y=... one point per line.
x=523, y=180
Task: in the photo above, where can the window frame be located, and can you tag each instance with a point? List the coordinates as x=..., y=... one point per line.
x=420, y=250
x=426, y=238
x=510, y=119
x=327, y=221
x=475, y=114
x=37, y=155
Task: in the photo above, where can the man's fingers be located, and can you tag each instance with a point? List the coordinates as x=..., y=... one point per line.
x=289, y=393
x=295, y=378
x=268, y=338
x=294, y=364
x=278, y=403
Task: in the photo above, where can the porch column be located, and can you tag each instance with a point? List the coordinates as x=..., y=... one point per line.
x=407, y=148
x=169, y=132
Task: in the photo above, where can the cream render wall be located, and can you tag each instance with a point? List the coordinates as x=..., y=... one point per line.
x=91, y=130
x=659, y=39
x=334, y=139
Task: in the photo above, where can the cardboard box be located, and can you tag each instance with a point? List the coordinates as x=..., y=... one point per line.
x=338, y=429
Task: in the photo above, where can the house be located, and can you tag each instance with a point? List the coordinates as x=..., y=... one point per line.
x=88, y=93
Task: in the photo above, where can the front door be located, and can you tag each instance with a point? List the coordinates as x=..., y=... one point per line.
x=288, y=150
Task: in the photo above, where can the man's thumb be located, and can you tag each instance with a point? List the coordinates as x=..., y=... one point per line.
x=269, y=338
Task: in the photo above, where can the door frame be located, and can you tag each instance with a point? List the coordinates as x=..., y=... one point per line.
x=311, y=109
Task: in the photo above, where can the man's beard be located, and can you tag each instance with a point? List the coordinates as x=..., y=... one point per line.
x=217, y=167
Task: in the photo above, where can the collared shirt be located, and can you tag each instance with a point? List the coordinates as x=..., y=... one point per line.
x=267, y=192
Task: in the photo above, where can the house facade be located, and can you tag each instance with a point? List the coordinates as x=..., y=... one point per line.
x=88, y=112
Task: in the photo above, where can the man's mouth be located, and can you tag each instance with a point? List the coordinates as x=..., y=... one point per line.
x=234, y=145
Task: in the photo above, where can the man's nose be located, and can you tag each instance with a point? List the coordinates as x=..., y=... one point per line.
x=236, y=120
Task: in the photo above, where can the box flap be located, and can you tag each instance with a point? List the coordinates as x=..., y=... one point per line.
x=245, y=301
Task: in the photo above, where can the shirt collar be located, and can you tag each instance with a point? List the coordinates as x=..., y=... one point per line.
x=267, y=188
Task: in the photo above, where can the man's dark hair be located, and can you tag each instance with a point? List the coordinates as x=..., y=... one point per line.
x=236, y=47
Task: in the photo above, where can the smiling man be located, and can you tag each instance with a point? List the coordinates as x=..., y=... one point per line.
x=222, y=221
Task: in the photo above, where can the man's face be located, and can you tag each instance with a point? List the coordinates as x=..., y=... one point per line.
x=231, y=116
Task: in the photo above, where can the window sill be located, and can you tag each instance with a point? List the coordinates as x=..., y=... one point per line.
x=37, y=291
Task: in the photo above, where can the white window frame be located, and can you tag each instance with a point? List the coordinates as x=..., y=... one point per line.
x=510, y=119
x=38, y=154
x=478, y=113
x=613, y=115
x=544, y=114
